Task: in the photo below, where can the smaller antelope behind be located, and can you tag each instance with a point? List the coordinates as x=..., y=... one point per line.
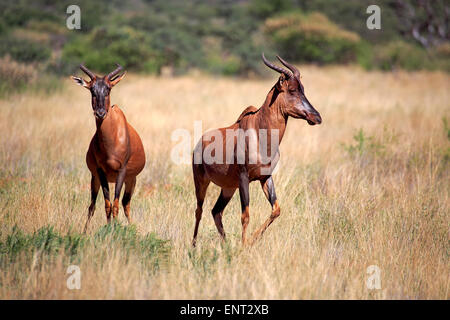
x=115, y=153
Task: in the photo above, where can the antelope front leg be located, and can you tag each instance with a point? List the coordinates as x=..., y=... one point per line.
x=105, y=189
x=128, y=193
x=119, y=184
x=244, y=195
x=95, y=186
x=269, y=191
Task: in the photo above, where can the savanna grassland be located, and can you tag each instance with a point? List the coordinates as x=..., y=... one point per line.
x=369, y=186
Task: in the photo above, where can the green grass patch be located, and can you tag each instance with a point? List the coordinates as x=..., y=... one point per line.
x=47, y=244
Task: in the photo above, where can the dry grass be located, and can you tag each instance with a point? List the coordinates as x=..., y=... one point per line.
x=380, y=199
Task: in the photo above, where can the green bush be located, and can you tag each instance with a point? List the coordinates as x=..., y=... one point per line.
x=398, y=54
x=402, y=55
x=19, y=13
x=439, y=58
x=267, y=8
x=311, y=38
x=104, y=47
x=24, y=50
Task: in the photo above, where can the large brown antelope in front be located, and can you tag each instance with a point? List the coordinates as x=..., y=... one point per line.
x=285, y=99
x=115, y=153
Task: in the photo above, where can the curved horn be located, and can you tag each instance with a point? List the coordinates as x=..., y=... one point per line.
x=115, y=72
x=291, y=67
x=87, y=71
x=274, y=67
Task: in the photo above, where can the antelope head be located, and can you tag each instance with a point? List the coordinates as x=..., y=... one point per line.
x=292, y=93
x=100, y=88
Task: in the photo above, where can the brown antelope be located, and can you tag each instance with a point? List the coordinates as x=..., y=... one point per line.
x=285, y=99
x=115, y=153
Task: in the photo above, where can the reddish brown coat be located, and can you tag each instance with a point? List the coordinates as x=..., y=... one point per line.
x=116, y=153
x=286, y=99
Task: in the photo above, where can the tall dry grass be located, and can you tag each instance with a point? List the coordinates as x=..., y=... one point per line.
x=349, y=198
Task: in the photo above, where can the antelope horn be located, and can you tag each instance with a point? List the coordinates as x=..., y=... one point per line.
x=87, y=71
x=115, y=72
x=291, y=67
x=274, y=67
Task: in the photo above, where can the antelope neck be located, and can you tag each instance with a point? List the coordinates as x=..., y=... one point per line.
x=106, y=128
x=99, y=122
x=270, y=115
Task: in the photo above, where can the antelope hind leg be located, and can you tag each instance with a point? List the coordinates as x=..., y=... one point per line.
x=217, y=212
x=269, y=191
x=201, y=185
x=245, y=200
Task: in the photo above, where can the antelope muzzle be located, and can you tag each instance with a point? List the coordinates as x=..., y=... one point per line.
x=312, y=116
x=100, y=114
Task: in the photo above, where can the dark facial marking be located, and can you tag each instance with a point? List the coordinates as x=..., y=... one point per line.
x=100, y=91
x=296, y=90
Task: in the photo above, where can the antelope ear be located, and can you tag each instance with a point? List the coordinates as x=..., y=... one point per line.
x=116, y=79
x=80, y=82
x=280, y=82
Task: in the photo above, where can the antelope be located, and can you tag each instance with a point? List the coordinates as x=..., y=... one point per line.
x=285, y=99
x=116, y=153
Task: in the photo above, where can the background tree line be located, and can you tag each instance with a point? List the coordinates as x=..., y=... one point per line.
x=219, y=36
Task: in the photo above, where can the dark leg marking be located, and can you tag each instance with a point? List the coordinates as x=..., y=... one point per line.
x=245, y=200
x=269, y=191
x=95, y=186
x=201, y=185
x=217, y=212
x=105, y=189
x=129, y=189
x=118, y=189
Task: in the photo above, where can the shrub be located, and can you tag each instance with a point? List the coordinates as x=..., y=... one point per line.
x=439, y=58
x=15, y=13
x=47, y=26
x=402, y=55
x=311, y=38
x=14, y=76
x=398, y=54
x=267, y=8
x=104, y=47
x=23, y=50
